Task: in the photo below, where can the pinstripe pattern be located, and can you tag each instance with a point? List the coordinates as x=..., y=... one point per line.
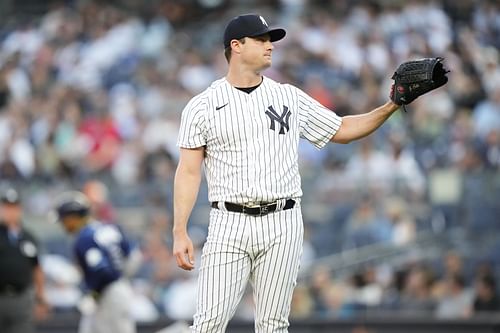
x=264, y=250
x=251, y=144
x=244, y=158
x=275, y=268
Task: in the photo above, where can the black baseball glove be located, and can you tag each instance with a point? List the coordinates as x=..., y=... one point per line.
x=415, y=78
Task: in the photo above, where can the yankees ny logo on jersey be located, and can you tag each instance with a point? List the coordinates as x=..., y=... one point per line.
x=243, y=125
x=281, y=119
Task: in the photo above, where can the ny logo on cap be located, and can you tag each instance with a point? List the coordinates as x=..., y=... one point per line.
x=263, y=21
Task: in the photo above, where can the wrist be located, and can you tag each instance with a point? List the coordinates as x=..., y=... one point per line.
x=179, y=231
x=391, y=106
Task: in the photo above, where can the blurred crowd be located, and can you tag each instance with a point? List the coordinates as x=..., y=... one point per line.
x=91, y=94
x=443, y=289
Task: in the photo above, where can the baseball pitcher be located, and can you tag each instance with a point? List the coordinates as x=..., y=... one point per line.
x=245, y=129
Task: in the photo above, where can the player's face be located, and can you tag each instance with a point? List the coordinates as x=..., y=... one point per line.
x=257, y=51
x=11, y=213
x=72, y=223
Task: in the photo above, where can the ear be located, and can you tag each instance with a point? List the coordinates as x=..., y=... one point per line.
x=236, y=46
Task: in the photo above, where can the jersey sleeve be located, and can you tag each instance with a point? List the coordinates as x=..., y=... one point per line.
x=98, y=269
x=192, y=132
x=317, y=124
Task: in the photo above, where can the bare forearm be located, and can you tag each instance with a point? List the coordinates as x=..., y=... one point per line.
x=186, y=186
x=358, y=126
x=39, y=283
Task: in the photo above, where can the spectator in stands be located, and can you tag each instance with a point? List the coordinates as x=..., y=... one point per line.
x=322, y=289
x=367, y=225
x=302, y=306
x=403, y=223
x=486, y=297
x=406, y=177
x=487, y=114
x=101, y=135
x=456, y=302
x=97, y=194
x=416, y=297
x=370, y=168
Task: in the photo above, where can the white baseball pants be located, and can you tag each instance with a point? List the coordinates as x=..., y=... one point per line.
x=113, y=311
x=264, y=250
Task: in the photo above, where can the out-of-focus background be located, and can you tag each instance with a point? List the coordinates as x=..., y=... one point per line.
x=402, y=224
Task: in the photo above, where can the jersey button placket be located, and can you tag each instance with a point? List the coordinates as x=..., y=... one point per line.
x=254, y=135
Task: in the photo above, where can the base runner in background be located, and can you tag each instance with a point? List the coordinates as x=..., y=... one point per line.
x=106, y=259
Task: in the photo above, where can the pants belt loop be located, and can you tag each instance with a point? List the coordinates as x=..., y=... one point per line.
x=222, y=206
x=280, y=204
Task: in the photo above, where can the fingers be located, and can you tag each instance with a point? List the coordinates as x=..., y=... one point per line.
x=191, y=255
x=184, y=261
x=184, y=255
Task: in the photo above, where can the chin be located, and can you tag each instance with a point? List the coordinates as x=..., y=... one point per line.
x=267, y=64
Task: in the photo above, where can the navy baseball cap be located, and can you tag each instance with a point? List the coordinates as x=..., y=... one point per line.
x=250, y=25
x=71, y=203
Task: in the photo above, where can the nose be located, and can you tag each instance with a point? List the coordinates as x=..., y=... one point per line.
x=269, y=45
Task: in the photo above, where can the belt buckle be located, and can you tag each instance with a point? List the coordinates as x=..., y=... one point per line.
x=264, y=210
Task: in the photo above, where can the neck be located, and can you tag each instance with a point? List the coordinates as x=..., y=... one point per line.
x=83, y=223
x=78, y=228
x=243, y=77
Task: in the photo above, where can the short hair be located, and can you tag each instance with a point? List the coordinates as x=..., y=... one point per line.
x=227, y=50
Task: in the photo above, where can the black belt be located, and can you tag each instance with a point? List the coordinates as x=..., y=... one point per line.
x=259, y=210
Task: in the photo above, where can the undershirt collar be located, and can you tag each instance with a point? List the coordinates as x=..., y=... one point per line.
x=248, y=90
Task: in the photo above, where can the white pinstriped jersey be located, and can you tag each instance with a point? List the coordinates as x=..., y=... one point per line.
x=251, y=140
